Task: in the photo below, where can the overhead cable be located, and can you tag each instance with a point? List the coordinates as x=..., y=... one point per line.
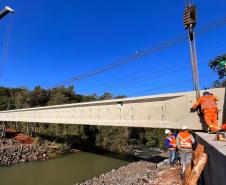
x=169, y=85
x=156, y=74
x=209, y=27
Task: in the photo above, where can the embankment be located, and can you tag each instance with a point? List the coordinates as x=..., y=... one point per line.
x=139, y=173
x=13, y=151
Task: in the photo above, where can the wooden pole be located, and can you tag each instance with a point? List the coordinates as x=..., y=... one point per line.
x=197, y=170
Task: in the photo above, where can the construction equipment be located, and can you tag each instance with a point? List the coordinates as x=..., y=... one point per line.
x=190, y=20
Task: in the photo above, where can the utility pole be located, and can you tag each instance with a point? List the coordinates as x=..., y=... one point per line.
x=189, y=25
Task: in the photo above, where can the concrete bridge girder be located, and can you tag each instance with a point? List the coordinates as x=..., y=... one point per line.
x=157, y=111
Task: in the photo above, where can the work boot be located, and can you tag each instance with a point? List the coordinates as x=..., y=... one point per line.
x=214, y=132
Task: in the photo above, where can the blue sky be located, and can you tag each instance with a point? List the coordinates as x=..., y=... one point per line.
x=54, y=40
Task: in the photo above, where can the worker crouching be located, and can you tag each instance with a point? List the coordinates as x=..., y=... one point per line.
x=184, y=143
x=170, y=143
x=210, y=110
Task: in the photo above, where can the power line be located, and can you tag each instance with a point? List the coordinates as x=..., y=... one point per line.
x=133, y=57
x=135, y=77
x=139, y=54
x=126, y=60
x=141, y=78
x=169, y=85
x=147, y=77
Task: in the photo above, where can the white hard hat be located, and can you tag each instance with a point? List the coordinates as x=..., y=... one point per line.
x=184, y=127
x=167, y=131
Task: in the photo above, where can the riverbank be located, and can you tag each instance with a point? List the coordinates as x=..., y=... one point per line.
x=13, y=151
x=142, y=172
x=139, y=173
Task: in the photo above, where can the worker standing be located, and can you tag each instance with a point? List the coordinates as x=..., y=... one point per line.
x=210, y=110
x=170, y=143
x=184, y=143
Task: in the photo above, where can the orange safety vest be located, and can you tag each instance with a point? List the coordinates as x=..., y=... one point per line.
x=172, y=141
x=185, y=139
x=208, y=102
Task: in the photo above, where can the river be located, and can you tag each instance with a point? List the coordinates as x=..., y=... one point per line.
x=66, y=170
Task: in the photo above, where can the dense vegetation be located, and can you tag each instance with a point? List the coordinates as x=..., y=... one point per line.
x=214, y=64
x=114, y=139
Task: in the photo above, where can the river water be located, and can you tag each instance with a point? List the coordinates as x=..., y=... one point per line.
x=66, y=170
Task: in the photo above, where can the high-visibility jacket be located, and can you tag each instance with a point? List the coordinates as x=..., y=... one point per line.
x=185, y=140
x=172, y=141
x=207, y=102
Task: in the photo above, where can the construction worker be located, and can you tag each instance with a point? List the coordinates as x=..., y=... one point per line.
x=170, y=143
x=209, y=108
x=184, y=143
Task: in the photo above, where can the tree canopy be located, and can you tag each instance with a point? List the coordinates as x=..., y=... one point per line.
x=216, y=65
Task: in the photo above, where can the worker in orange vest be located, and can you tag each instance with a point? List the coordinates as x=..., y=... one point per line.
x=170, y=143
x=184, y=143
x=209, y=108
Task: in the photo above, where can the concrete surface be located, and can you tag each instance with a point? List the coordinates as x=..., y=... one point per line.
x=157, y=111
x=215, y=169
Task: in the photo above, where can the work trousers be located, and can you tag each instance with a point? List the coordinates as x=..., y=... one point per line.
x=210, y=116
x=185, y=159
x=172, y=156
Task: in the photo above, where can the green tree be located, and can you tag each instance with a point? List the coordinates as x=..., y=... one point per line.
x=90, y=98
x=39, y=97
x=106, y=96
x=120, y=97
x=21, y=97
x=114, y=139
x=5, y=99
x=61, y=95
x=221, y=71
